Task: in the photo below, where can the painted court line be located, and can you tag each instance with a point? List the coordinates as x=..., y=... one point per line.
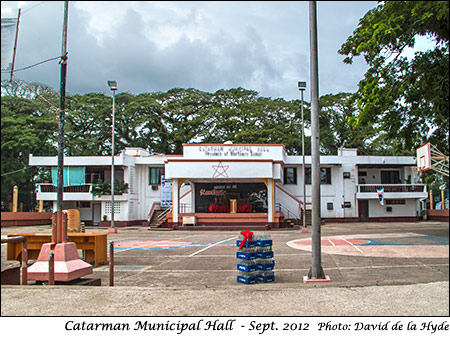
x=128, y=249
x=340, y=237
x=366, y=267
x=150, y=269
x=216, y=243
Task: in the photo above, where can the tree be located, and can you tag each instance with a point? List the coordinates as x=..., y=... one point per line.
x=25, y=130
x=230, y=113
x=88, y=125
x=337, y=113
x=241, y=116
x=407, y=99
x=183, y=116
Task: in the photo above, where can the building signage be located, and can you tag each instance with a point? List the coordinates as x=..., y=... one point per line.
x=212, y=192
x=166, y=192
x=219, y=190
x=233, y=151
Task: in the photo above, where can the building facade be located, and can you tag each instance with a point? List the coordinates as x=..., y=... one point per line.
x=245, y=184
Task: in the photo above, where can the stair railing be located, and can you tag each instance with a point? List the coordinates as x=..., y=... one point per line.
x=300, y=203
x=163, y=215
x=153, y=210
x=286, y=212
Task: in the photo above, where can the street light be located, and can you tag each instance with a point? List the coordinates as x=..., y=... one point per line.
x=113, y=87
x=302, y=87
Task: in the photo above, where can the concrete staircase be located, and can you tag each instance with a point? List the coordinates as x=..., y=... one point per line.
x=159, y=218
x=228, y=222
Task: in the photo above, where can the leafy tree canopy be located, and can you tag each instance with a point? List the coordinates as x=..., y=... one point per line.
x=406, y=99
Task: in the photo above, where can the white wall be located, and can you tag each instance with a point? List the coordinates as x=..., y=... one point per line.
x=341, y=190
x=119, y=215
x=147, y=195
x=378, y=211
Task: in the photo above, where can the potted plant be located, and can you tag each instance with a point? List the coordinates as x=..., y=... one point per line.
x=104, y=188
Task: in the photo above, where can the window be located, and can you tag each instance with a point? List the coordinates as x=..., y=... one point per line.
x=290, y=175
x=154, y=175
x=83, y=204
x=116, y=207
x=395, y=202
x=325, y=176
x=93, y=175
x=390, y=177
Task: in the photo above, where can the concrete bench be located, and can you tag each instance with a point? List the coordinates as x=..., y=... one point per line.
x=93, y=245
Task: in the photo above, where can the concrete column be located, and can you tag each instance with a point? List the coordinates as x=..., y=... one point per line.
x=193, y=198
x=15, y=198
x=270, y=201
x=175, y=201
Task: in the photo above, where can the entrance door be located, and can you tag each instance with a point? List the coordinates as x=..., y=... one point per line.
x=96, y=213
x=363, y=210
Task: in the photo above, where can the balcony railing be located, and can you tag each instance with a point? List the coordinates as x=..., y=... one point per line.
x=371, y=188
x=49, y=188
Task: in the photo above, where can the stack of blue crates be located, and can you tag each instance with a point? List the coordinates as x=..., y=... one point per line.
x=257, y=262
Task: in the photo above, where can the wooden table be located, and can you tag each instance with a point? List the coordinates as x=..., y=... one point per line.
x=93, y=245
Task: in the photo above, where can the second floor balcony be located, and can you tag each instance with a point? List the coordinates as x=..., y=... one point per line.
x=409, y=191
x=73, y=193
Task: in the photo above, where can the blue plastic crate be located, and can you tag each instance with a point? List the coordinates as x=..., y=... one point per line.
x=248, y=244
x=246, y=256
x=247, y=268
x=264, y=243
x=266, y=267
x=245, y=280
x=265, y=255
x=266, y=278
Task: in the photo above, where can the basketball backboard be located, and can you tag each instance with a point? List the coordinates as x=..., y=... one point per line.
x=424, y=158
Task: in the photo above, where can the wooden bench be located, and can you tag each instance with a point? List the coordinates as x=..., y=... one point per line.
x=93, y=245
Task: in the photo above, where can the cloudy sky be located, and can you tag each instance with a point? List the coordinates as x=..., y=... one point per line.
x=152, y=46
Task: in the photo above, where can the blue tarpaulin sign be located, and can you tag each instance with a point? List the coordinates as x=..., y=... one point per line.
x=73, y=176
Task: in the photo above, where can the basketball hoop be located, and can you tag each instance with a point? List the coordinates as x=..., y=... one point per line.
x=429, y=157
x=424, y=157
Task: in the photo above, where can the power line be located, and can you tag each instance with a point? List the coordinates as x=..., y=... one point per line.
x=34, y=65
x=22, y=169
x=29, y=9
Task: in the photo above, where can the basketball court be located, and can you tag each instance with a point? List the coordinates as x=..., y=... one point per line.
x=353, y=254
x=360, y=254
x=390, y=245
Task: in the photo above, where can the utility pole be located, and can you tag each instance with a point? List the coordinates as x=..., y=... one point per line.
x=62, y=108
x=316, y=271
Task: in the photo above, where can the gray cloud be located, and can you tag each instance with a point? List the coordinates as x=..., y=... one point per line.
x=263, y=46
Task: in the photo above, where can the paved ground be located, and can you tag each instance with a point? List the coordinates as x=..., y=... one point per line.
x=386, y=269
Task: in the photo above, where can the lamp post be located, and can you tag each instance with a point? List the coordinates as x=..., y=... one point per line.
x=113, y=87
x=302, y=87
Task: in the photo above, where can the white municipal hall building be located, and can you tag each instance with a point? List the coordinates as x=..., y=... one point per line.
x=234, y=184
